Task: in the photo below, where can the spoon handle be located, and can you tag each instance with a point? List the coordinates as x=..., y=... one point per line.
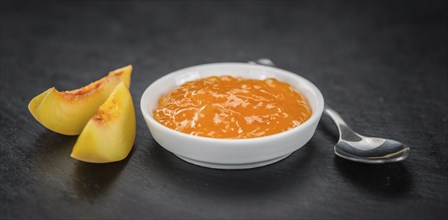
x=345, y=131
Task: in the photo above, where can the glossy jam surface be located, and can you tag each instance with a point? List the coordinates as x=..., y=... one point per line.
x=236, y=108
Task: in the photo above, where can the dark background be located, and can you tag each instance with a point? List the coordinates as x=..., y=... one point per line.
x=382, y=65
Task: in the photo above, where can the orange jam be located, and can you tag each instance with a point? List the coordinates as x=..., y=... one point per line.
x=228, y=107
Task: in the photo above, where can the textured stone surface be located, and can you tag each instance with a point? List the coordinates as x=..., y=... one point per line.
x=382, y=65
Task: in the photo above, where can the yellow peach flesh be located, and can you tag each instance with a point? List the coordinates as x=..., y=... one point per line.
x=109, y=135
x=67, y=112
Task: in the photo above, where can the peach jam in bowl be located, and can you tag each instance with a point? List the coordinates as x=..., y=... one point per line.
x=232, y=115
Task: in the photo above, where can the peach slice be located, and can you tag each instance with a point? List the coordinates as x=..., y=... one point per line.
x=109, y=135
x=67, y=112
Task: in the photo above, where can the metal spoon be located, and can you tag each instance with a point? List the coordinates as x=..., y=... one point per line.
x=355, y=147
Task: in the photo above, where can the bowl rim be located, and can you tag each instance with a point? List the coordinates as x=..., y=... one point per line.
x=308, y=123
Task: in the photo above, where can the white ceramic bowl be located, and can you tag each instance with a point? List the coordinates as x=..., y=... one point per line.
x=231, y=153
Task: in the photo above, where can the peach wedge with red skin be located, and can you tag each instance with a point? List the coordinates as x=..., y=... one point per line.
x=67, y=112
x=110, y=133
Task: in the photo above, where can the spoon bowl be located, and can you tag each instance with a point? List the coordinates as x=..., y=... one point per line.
x=387, y=151
x=359, y=148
